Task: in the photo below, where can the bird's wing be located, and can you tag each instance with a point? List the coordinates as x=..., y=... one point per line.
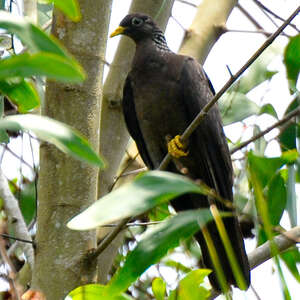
x=208, y=143
x=132, y=122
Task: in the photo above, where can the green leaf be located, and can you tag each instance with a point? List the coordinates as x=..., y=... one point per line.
x=276, y=198
x=30, y=35
x=190, y=288
x=61, y=135
x=21, y=93
x=27, y=201
x=268, y=109
x=159, y=288
x=94, y=292
x=264, y=167
x=291, y=258
x=155, y=243
x=292, y=60
x=236, y=107
x=69, y=7
x=145, y=192
x=41, y=64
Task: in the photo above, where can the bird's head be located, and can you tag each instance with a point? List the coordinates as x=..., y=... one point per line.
x=137, y=26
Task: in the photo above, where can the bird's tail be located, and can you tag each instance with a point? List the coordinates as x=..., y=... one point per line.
x=236, y=239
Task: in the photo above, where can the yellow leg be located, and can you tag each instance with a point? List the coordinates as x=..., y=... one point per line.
x=176, y=148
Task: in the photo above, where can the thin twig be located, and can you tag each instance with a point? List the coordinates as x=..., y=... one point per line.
x=195, y=123
x=249, y=17
x=274, y=14
x=287, y=118
x=108, y=239
x=7, y=236
x=133, y=224
x=187, y=3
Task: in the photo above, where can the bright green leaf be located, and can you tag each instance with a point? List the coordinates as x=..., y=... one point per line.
x=94, y=292
x=268, y=109
x=61, y=135
x=190, y=288
x=290, y=156
x=159, y=288
x=292, y=60
x=276, y=199
x=154, y=245
x=69, y=7
x=236, y=107
x=41, y=64
x=31, y=36
x=145, y=192
x=22, y=93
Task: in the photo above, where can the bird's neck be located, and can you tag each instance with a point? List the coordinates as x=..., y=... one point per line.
x=160, y=41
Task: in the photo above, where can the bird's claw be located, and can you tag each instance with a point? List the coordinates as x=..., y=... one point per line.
x=176, y=148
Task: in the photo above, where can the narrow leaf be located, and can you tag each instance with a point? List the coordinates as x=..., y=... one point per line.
x=291, y=258
x=61, y=135
x=268, y=109
x=22, y=93
x=155, y=243
x=145, y=192
x=291, y=195
x=4, y=138
x=94, y=292
x=41, y=64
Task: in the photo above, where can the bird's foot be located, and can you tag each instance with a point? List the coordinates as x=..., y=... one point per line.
x=176, y=148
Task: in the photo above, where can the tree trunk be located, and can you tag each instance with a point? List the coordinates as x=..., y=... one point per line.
x=67, y=186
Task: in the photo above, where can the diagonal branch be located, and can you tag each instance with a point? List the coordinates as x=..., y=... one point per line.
x=195, y=123
x=287, y=118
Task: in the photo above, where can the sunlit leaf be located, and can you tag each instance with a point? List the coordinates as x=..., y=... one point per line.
x=236, y=107
x=61, y=135
x=4, y=138
x=145, y=192
x=176, y=265
x=94, y=292
x=69, y=7
x=32, y=36
x=155, y=243
x=159, y=288
x=21, y=93
x=259, y=144
x=189, y=288
x=41, y=64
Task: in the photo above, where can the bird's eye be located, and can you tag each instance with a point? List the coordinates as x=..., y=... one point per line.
x=136, y=22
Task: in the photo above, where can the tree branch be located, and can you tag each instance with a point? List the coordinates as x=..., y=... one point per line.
x=13, y=212
x=195, y=123
x=287, y=118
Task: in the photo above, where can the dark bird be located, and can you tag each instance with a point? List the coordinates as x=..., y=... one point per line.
x=163, y=93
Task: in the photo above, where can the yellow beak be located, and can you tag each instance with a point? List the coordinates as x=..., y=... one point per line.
x=118, y=31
